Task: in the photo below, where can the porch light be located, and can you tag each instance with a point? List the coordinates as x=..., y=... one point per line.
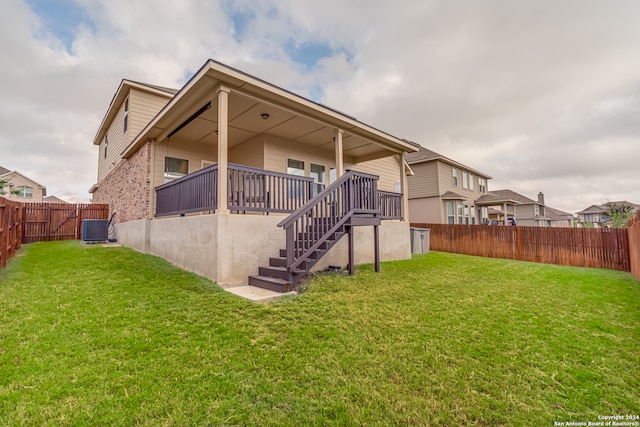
x=264, y=116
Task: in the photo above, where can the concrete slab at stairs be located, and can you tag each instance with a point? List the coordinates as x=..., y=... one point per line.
x=256, y=294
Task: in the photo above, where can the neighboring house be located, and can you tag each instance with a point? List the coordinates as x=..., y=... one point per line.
x=53, y=199
x=597, y=214
x=21, y=188
x=501, y=208
x=559, y=218
x=297, y=177
x=444, y=191
x=523, y=210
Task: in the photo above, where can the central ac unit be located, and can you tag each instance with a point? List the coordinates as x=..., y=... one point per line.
x=95, y=230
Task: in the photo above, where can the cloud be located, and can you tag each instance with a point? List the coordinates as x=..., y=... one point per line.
x=542, y=95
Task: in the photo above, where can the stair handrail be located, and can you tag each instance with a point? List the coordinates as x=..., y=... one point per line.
x=314, y=222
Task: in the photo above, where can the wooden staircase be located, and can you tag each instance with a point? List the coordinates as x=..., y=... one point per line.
x=276, y=276
x=314, y=228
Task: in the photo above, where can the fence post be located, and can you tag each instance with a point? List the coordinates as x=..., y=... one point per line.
x=20, y=228
x=3, y=233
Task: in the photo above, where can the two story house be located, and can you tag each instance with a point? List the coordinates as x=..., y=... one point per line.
x=598, y=214
x=444, y=191
x=522, y=210
x=242, y=182
x=21, y=188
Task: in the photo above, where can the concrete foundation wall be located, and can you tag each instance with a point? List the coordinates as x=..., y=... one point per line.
x=229, y=248
x=395, y=244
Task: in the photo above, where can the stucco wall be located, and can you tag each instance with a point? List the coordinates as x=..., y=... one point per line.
x=395, y=244
x=224, y=248
x=126, y=187
x=229, y=248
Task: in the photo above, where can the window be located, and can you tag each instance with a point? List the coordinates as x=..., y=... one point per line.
x=454, y=177
x=175, y=168
x=333, y=175
x=460, y=216
x=471, y=182
x=126, y=114
x=106, y=143
x=317, y=173
x=464, y=179
x=24, y=191
x=296, y=188
x=451, y=218
x=466, y=214
x=484, y=213
x=482, y=185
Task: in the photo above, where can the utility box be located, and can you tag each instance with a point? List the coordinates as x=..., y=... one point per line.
x=420, y=240
x=95, y=230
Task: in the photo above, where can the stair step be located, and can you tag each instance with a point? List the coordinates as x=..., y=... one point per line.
x=278, y=261
x=271, y=283
x=271, y=271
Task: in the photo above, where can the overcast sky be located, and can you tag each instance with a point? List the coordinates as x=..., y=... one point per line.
x=541, y=95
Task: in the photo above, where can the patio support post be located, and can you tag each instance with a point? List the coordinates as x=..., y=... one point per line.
x=339, y=154
x=403, y=189
x=223, y=150
x=376, y=248
x=504, y=213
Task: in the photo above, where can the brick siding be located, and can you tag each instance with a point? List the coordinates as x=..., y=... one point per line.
x=126, y=187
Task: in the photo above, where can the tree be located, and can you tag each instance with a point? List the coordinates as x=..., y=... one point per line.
x=618, y=215
x=4, y=182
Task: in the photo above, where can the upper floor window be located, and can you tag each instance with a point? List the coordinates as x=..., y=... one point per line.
x=471, y=185
x=106, y=143
x=464, y=179
x=454, y=177
x=482, y=184
x=175, y=168
x=126, y=114
x=24, y=191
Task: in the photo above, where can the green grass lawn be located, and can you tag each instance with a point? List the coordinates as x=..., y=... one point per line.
x=96, y=335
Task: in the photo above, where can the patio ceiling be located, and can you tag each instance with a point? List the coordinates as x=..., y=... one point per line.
x=289, y=117
x=246, y=122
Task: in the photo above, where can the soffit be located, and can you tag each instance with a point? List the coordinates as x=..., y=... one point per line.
x=290, y=117
x=246, y=122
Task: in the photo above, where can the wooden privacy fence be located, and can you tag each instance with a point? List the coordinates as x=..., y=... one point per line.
x=10, y=229
x=39, y=222
x=582, y=247
x=634, y=245
x=43, y=222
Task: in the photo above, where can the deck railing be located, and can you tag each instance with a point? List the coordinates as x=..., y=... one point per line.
x=390, y=205
x=355, y=193
x=196, y=192
x=255, y=190
x=250, y=190
x=259, y=190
